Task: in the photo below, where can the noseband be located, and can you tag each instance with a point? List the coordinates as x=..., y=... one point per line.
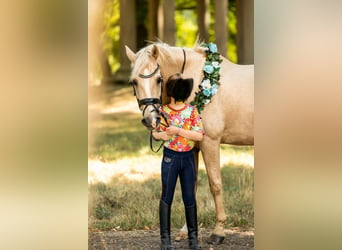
x=149, y=101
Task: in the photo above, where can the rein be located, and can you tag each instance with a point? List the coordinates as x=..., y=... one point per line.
x=151, y=136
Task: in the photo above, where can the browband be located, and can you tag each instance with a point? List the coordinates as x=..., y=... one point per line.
x=150, y=75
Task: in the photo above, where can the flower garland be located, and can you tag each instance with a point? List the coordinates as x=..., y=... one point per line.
x=209, y=85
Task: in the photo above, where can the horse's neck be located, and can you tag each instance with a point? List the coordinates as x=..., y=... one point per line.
x=193, y=68
x=193, y=64
x=170, y=61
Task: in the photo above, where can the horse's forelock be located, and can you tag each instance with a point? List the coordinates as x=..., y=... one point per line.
x=143, y=57
x=142, y=60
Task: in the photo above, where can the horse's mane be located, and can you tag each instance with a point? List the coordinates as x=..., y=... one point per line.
x=166, y=54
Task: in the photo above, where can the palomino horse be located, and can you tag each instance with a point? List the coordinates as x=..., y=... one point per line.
x=228, y=119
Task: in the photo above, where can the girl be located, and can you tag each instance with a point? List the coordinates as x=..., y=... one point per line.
x=178, y=159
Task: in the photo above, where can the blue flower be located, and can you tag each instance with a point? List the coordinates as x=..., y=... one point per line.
x=214, y=89
x=209, y=69
x=212, y=47
x=209, y=85
x=206, y=92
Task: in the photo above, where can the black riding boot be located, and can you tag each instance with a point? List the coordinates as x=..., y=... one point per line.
x=164, y=218
x=191, y=222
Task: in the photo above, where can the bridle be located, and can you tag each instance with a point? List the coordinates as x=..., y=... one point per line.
x=150, y=101
x=155, y=101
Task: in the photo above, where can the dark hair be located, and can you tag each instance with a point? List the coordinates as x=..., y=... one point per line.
x=179, y=88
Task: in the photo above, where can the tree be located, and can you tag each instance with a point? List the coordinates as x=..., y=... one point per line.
x=220, y=25
x=203, y=19
x=245, y=31
x=176, y=23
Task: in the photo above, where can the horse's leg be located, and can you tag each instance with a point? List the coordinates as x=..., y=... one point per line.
x=183, y=233
x=211, y=156
x=196, y=154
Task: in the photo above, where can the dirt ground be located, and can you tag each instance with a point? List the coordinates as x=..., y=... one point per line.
x=236, y=239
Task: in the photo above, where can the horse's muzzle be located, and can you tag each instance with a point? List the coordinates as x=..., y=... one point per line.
x=148, y=123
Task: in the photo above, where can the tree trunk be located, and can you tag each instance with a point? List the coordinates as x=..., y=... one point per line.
x=169, y=28
x=141, y=10
x=203, y=19
x=96, y=53
x=221, y=27
x=104, y=63
x=153, y=19
x=245, y=31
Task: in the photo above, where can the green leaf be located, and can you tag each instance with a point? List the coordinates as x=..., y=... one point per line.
x=214, y=78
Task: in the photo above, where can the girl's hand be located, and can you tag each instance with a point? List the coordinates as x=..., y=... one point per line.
x=160, y=136
x=172, y=130
x=164, y=136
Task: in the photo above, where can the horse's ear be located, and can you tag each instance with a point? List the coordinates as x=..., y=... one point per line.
x=130, y=54
x=155, y=52
x=200, y=49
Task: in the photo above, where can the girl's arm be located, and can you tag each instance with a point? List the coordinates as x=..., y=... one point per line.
x=192, y=135
x=160, y=136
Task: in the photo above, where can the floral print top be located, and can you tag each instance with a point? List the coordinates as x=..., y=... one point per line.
x=186, y=118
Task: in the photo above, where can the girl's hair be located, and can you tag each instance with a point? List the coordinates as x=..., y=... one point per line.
x=179, y=88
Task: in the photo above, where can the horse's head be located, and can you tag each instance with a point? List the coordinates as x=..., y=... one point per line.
x=147, y=83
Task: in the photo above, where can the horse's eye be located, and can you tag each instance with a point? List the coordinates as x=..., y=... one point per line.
x=159, y=80
x=134, y=82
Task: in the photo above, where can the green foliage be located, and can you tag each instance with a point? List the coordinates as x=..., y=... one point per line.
x=232, y=49
x=211, y=79
x=186, y=28
x=185, y=21
x=186, y=25
x=111, y=35
x=186, y=4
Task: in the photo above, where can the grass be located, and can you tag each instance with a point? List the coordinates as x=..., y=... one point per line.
x=118, y=135
x=133, y=204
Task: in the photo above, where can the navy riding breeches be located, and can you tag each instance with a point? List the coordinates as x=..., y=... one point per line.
x=180, y=164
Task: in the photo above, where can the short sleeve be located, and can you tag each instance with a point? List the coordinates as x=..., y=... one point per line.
x=196, y=121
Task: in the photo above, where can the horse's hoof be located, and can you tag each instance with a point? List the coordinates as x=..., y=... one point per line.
x=215, y=239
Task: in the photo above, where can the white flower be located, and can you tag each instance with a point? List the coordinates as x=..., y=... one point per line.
x=215, y=64
x=206, y=101
x=206, y=84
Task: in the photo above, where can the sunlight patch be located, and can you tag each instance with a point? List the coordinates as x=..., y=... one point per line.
x=148, y=166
